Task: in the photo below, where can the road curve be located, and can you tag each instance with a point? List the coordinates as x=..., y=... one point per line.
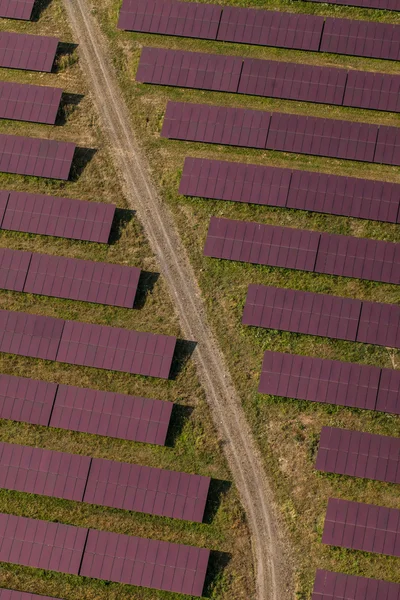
x=273, y=572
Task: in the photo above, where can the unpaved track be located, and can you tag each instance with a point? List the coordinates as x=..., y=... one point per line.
x=273, y=575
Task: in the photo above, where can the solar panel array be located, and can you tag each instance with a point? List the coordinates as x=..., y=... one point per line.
x=379, y=4
x=85, y=410
x=362, y=527
x=262, y=27
x=84, y=344
x=60, y=217
x=103, y=482
x=323, y=315
x=269, y=78
x=338, y=586
x=34, y=103
x=302, y=249
x=103, y=555
x=16, y=9
x=27, y=52
x=303, y=190
x=282, y=132
x=15, y=595
x=330, y=382
x=33, y=156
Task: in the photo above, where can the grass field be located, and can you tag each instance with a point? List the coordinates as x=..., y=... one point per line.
x=287, y=431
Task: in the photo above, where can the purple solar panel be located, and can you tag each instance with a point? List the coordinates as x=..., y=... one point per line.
x=16, y=9
x=60, y=217
x=361, y=38
x=388, y=145
x=116, y=349
x=379, y=324
x=359, y=454
x=147, y=490
x=269, y=28
x=112, y=415
x=376, y=91
x=38, y=157
x=30, y=335
x=318, y=380
x=338, y=586
x=83, y=280
x=15, y=595
x=41, y=544
x=379, y=4
x=389, y=392
x=27, y=52
x=170, y=18
x=144, y=562
x=189, y=69
x=262, y=244
x=362, y=527
x=26, y=400
x=33, y=103
x=14, y=266
x=359, y=257
x=302, y=312
x=4, y=195
x=43, y=472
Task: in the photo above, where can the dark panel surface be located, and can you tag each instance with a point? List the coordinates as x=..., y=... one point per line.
x=148, y=490
x=318, y=380
x=389, y=392
x=43, y=472
x=33, y=156
x=376, y=91
x=23, y=102
x=16, y=9
x=388, y=145
x=41, y=544
x=359, y=454
x=60, y=217
x=112, y=415
x=27, y=52
x=15, y=595
x=26, y=400
x=30, y=335
x=363, y=527
x=14, y=266
x=143, y=562
x=380, y=324
x=338, y=586
x=4, y=195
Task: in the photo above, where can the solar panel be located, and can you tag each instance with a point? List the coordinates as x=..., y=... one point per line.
x=362, y=527
x=376, y=91
x=26, y=400
x=112, y=415
x=147, y=490
x=319, y=380
x=43, y=472
x=170, y=18
x=15, y=595
x=23, y=102
x=389, y=392
x=359, y=454
x=14, y=266
x=84, y=280
x=359, y=257
x=379, y=324
x=116, y=349
x=41, y=544
x=4, y=195
x=60, y=217
x=30, y=335
x=270, y=28
x=302, y=312
x=303, y=190
x=262, y=244
x=146, y=563
x=38, y=157
x=16, y=9
x=338, y=586
x=27, y=52
x=361, y=38
x=388, y=146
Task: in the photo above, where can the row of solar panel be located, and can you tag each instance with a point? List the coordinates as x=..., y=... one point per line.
x=378, y=4
x=306, y=250
x=339, y=586
x=17, y=9
x=97, y=346
x=103, y=555
x=272, y=79
x=262, y=27
x=302, y=190
x=60, y=217
x=323, y=315
x=27, y=52
x=330, y=382
x=282, y=132
x=69, y=278
x=103, y=482
x=85, y=410
x=32, y=103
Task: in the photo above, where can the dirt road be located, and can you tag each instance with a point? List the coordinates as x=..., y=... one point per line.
x=272, y=571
